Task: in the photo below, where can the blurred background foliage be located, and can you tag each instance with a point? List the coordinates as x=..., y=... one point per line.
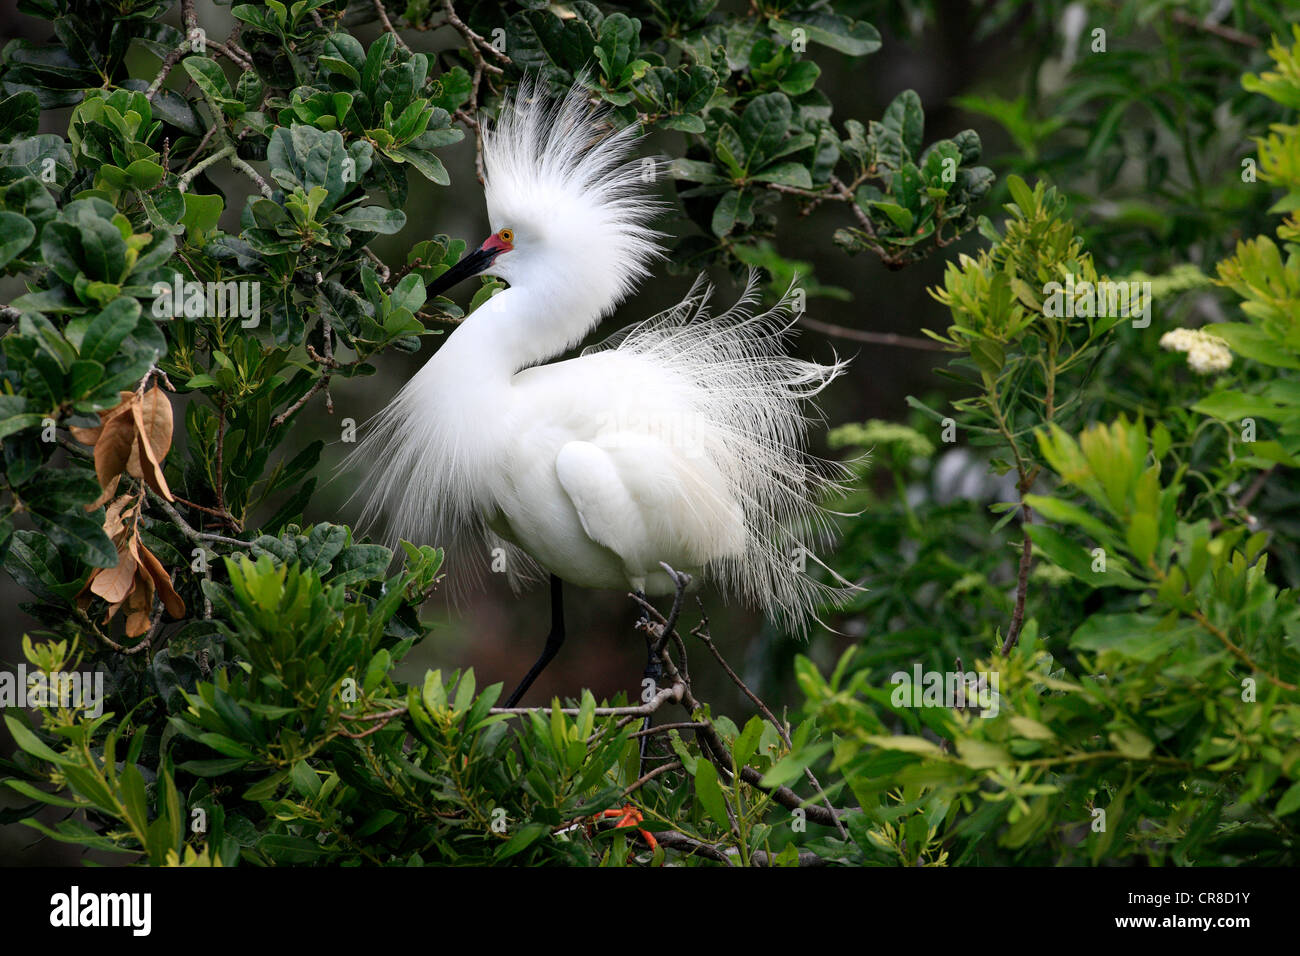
x=855, y=145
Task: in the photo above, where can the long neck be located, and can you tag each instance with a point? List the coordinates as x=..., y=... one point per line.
x=518, y=327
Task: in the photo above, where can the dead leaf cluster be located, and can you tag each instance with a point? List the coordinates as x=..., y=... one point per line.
x=132, y=438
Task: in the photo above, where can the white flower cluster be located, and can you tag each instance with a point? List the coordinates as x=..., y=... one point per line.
x=1206, y=353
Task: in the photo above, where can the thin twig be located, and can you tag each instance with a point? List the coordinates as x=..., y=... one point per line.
x=664, y=728
x=1022, y=582
x=198, y=150
x=381, y=715
x=327, y=360
x=1226, y=33
x=219, y=484
x=645, y=778
x=709, y=738
x=262, y=185
x=219, y=120
x=474, y=40
x=475, y=45
x=169, y=61
x=702, y=632
x=681, y=581
x=388, y=24
x=875, y=338
x=381, y=267
x=121, y=649
x=196, y=536
x=1250, y=495
x=382, y=718
x=183, y=182
x=240, y=61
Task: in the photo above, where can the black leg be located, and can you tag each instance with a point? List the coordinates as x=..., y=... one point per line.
x=653, y=671
x=553, y=642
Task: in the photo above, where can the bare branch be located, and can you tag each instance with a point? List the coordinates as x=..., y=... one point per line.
x=647, y=777
x=1022, y=582
x=875, y=338
x=388, y=25
x=196, y=536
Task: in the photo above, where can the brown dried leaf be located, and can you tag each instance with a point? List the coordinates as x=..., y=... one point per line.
x=140, y=606
x=162, y=581
x=87, y=436
x=150, y=463
x=113, y=450
x=114, y=521
x=154, y=422
x=108, y=492
x=115, y=583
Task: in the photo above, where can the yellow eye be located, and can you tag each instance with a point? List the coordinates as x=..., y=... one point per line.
x=507, y=235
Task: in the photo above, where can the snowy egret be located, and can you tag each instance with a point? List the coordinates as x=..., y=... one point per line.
x=678, y=440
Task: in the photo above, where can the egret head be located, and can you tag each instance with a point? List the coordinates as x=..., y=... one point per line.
x=567, y=204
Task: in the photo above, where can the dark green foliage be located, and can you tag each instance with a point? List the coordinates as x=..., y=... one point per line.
x=1116, y=546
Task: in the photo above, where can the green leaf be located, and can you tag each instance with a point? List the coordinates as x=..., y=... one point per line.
x=1132, y=743
x=709, y=793
x=902, y=218
x=1232, y=406
x=1078, y=560
x=27, y=790
x=131, y=782
x=20, y=115
x=905, y=118
x=1021, y=193
x=16, y=234
x=838, y=32
x=1143, y=535
x=211, y=79
x=377, y=821
x=109, y=328
x=787, y=174
x=521, y=840
x=289, y=850
x=747, y=742
x=201, y=214
x=1136, y=636
x=428, y=165
x=29, y=742
x=217, y=767
x=305, y=780
x=982, y=754
x=374, y=219
x=1288, y=803
x=763, y=125
x=145, y=174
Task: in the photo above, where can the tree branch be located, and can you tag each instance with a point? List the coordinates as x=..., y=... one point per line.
x=388, y=24
x=875, y=338
x=1022, y=581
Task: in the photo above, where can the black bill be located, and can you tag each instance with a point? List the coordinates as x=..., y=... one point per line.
x=471, y=264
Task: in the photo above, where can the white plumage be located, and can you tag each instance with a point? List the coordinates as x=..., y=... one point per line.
x=678, y=440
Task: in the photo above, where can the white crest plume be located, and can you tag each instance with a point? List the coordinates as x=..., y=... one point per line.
x=556, y=166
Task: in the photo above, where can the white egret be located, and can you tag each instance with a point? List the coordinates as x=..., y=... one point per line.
x=678, y=440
